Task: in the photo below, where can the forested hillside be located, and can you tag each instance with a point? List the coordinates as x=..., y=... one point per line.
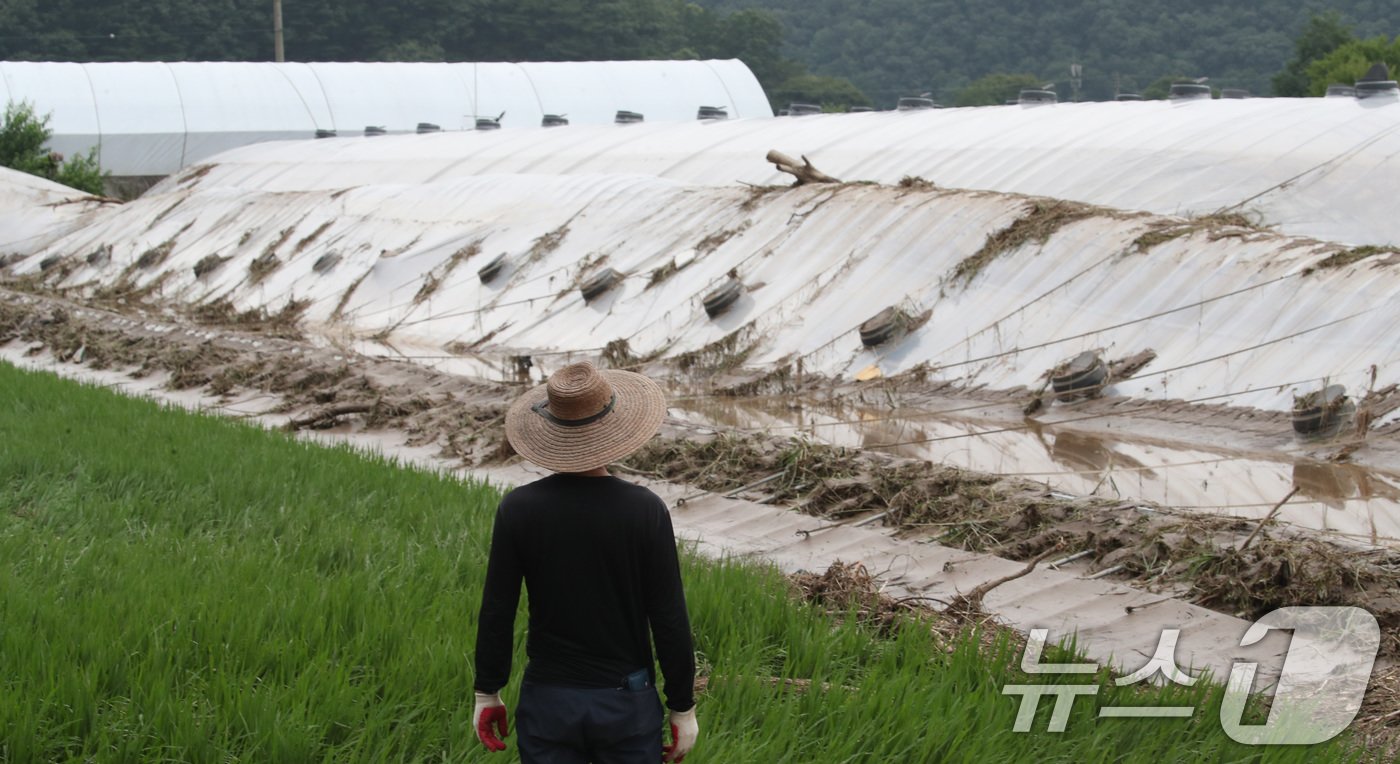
x=428, y=30
x=800, y=50
x=904, y=47
x=404, y=30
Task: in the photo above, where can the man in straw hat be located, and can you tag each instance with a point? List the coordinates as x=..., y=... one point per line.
x=598, y=557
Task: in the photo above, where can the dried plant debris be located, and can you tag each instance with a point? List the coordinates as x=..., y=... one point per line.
x=849, y=590
x=386, y=254
x=1377, y=726
x=618, y=354
x=1219, y=225
x=659, y=275
x=728, y=352
x=284, y=323
x=433, y=281
x=783, y=378
x=282, y=236
x=311, y=237
x=464, y=419
x=916, y=183
x=1042, y=218
x=345, y=296
x=195, y=173
x=1346, y=257
x=267, y=262
x=717, y=239
x=126, y=292
x=756, y=194
x=263, y=265
x=161, y=215
x=546, y=244
x=155, y=255
x=1021, y=520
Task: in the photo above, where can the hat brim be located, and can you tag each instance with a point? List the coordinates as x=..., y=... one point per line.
x=635, y=418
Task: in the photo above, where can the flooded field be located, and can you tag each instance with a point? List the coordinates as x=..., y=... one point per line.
x=1343, y=499
x=1349, y=500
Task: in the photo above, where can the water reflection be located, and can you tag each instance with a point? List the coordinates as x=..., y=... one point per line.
x=1340, y=498
x=1335, y=484
x=1087, y=454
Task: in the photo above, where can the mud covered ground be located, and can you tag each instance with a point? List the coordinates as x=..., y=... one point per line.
x=1202, y=558
x=1240, y=567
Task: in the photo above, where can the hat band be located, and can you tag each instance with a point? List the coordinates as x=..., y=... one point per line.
x=542, y=409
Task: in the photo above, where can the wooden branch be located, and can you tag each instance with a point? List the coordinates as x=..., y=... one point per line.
x=970, y=603
x=87, y=198
x=1268, y=517
x=804, y=172
x=328, y=413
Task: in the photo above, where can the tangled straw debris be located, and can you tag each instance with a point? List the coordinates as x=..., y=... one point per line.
x=1042, y=218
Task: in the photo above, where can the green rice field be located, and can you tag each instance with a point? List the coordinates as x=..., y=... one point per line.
x=179, y=588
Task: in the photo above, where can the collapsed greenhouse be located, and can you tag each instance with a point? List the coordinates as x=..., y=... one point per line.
x=1211, y=268
x=1226, y=246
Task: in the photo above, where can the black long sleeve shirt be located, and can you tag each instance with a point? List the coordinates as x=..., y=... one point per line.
x=598, y=558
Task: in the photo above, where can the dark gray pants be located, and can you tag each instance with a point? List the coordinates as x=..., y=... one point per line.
x=567, y=725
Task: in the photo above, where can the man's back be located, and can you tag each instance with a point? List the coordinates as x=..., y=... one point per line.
x=598, y=558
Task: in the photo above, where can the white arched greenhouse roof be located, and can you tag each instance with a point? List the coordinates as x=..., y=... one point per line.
x=1319, y=167
x=150, y=119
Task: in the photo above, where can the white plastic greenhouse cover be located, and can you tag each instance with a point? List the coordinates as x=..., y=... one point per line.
x=34, y=211
x=385, y=237
x=150, y=119
x=1230, y=311
x=1305, y=166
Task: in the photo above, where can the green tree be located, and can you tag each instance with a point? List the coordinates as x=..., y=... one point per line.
x=890, y=48
x=995, y=89
x=1349, y=62
x=1162, y=87
x=887, y=48
x=23, y=139
x=412, y=50
x=831, y=93
x=1323, y=34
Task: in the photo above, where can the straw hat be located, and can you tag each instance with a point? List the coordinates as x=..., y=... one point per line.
x=584, y=418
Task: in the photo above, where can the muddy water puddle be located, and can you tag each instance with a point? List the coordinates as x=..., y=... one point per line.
x=1343, y=499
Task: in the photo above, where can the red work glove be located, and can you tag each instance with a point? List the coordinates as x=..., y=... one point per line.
x=489, y=718
x=684, y=730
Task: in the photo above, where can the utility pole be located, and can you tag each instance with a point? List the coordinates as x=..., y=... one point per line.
x=278, y=53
